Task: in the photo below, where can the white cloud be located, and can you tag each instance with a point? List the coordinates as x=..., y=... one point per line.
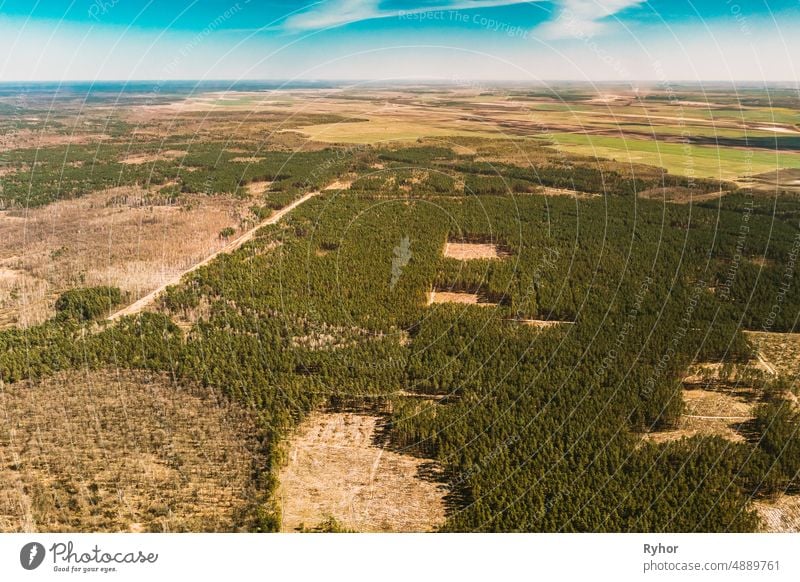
x=583, y=18
x=574, y=18
x=332, y=13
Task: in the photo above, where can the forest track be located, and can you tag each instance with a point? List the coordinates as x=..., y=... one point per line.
x=140, y=304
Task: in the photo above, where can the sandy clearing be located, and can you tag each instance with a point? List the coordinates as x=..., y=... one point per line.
x=339, y=185
x=548, y=191
x=258, y=188
x=723, y=404
x=247, y=160
x=472, y=251
x=335, y=469
x=150, y=158
x=781, y=515
x=456, y=297
x=711, y=413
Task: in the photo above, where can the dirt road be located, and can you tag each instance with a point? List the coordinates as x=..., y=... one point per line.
x=142, y=303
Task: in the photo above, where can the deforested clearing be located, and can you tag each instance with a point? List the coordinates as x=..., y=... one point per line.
x=124, y=451
x=336, y=469
x=126, y=237
x=471, y=251
x=150, y=158
x=247, y=159
x=723, y=412
x=781, y=515
x=339, y=185
x=456, y=297
x=258, y=188
x=781, y=350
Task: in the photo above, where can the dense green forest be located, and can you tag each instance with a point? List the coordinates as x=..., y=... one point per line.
x=538, y=428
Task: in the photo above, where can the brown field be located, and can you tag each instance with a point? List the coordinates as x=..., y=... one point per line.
x=336, y=470
x=123, y=451
x=781, y=515
x=28, y=138
x=118, y=237
x=471, y=251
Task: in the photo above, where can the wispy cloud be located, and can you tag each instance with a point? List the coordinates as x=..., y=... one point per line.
x=574, y=18
x=332, y=13
x=583, y=18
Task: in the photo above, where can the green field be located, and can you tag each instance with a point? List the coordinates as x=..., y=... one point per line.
x=723, y=163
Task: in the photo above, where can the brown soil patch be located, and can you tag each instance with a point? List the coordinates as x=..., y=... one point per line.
x=258, y=188
x=720, y=412
x=335, y=469
x=247, y=159
x=122, y=451
x=150, y=158
x=456, y=297
x=339, y=185
x=471, y=251
x=30, y=138
x=781, y=515
x=728, y=404
x=547, y=191
x=7, y=170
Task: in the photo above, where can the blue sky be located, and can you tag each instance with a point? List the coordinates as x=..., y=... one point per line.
x=397, y=39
